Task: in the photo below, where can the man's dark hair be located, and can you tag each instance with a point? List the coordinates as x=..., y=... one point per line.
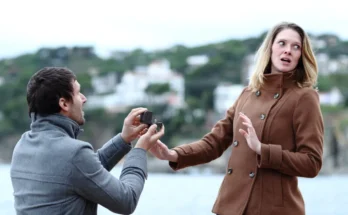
x=46, y=87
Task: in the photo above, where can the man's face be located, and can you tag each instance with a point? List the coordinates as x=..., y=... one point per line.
x=75, y=106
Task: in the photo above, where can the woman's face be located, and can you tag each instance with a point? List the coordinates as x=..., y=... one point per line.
x=286, y=51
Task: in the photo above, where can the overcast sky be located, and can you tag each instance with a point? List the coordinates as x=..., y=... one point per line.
x=26, y=26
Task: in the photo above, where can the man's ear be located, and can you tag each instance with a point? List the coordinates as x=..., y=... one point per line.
x=64, y=104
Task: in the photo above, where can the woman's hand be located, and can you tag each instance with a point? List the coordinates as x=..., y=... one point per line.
x=250, y=134
x=161, y=151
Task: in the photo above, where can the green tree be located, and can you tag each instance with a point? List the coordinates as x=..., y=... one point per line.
x=157, y=89
x=325, y=83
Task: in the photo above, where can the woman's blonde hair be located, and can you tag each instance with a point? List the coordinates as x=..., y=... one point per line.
x=307, y=69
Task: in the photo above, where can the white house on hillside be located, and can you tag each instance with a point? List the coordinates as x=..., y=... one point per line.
x=248, y=68
x=225, y=95
x=333, y=97
x=104, y=84
x=197, y=60
x=131, y=89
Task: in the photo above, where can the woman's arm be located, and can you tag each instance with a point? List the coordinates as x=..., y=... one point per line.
x=309, y=134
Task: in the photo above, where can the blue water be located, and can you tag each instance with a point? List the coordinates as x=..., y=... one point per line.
x=178, y=194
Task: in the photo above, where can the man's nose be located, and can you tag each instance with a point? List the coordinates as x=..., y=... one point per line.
x=84, y=99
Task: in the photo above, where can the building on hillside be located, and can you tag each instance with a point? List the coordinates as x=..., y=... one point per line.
x=131, y=90
x=225, y=94
x=333, y=97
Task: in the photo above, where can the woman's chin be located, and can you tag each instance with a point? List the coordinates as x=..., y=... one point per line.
x=281, y=70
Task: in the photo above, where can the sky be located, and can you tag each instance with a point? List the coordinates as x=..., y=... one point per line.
x=107, y=25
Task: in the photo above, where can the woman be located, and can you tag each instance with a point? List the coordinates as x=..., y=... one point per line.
x=275, y=128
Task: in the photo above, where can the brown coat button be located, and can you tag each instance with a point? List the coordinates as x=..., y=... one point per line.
x=229, y=171
x=276, y=95
x=263, y=116
x=235, y=143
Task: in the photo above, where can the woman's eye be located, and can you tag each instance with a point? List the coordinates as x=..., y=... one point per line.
x=296, y=46
x=281, y=43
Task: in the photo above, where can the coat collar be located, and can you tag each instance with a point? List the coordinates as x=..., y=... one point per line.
x=279, y=80
x=55, y=121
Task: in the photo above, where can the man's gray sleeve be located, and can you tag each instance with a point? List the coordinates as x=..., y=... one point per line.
x=93, y=182
x=113, y=151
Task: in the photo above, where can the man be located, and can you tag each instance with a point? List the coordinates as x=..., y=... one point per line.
x=54, y=173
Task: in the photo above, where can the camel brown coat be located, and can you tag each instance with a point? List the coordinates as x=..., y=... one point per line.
x=289, y=124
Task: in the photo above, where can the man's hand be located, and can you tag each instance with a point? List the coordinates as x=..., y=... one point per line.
x=161, y=151
x=132, y=128
x=147, y=140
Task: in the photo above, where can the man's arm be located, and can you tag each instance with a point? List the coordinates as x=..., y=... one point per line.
x=93, y=182
x=113, y=151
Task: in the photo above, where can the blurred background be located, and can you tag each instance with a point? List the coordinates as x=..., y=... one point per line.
x=187, y=61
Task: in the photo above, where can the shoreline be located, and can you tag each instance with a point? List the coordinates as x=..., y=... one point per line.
x=214, y=167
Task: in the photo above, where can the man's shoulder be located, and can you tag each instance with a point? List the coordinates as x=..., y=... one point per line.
x=74, y=145
x=55, y=152
x=50, y=143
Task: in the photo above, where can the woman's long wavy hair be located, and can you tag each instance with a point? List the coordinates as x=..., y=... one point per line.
x=306, y=70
